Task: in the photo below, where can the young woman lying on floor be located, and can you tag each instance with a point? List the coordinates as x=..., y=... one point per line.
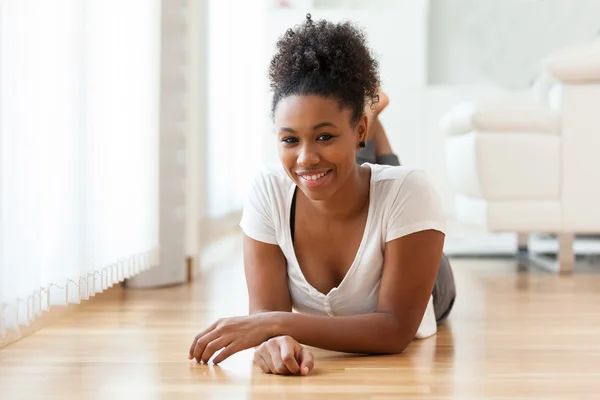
x=354, y=248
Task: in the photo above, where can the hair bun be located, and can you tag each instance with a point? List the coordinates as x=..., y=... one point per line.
x=327, y=59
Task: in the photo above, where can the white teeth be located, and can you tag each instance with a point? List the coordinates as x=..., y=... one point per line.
x=313, y=177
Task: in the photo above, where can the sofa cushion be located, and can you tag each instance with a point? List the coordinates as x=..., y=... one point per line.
x=509, y=215
x=500, y=113
x=496, y=166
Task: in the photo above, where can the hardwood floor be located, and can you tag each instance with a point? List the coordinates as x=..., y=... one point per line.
x=513, y=334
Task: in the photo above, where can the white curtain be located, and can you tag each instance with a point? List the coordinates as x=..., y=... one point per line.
x=79, y=87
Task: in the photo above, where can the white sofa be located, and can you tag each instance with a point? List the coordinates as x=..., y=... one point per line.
x=530, y=162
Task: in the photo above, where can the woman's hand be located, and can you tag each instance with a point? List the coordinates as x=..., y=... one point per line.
x=284, y=356
x=231, y=335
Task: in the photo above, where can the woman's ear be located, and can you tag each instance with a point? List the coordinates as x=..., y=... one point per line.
x=362, y=129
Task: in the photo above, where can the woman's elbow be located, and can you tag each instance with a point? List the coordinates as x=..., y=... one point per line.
x=396, y=342
x=397, y=346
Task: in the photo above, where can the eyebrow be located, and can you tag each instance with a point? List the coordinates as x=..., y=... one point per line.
x=314, y=128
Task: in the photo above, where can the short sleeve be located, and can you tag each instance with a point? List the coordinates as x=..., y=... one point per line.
x=257, y=215
x=415, y=207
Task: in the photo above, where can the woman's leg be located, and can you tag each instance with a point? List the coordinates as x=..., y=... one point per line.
x=383, y=150
x=368, y=153
x=444, y=291
x=378, y=149
x=375, y=126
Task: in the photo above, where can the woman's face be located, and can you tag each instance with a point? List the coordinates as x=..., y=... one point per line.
x=317, y=143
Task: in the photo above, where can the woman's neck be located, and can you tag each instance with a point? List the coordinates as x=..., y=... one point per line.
x=349, y=200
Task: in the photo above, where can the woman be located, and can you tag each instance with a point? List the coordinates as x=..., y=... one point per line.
x=355, y=249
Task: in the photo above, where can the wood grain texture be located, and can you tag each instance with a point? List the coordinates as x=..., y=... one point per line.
x=518, y=334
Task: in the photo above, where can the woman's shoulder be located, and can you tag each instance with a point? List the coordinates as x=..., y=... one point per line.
x=405, y=188
x=407, y=199
x=269, y=185
x=264, y=203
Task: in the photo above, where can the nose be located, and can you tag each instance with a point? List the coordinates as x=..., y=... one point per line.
x=308, y=156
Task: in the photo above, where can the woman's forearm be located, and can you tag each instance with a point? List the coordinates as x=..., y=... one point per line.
x=374, y=333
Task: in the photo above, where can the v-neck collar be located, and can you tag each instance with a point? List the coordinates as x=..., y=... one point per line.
x=356, y=261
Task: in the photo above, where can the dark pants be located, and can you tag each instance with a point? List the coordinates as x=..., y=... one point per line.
x=367, y=155
x=444, y=290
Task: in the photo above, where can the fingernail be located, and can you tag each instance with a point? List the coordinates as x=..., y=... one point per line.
x=305, y=370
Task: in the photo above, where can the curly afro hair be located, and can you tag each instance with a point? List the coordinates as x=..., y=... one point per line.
x=325, y=59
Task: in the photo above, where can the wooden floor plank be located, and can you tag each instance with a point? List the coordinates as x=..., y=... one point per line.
x=518, y=334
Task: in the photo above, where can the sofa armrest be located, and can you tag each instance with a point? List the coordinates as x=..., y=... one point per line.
x=500, y=113
x=578, y=64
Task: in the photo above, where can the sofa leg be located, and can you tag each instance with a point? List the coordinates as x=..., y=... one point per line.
x=564, y=262
x=566, y=253
x=523, y=242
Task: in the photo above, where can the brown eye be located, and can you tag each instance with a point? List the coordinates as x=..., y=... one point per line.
x=324, y=138
x=290, y=140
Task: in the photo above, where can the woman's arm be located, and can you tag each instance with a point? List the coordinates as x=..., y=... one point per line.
x=409, y=272
x=266, y=277
x=410, y=269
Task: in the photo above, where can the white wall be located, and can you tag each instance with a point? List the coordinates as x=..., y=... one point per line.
x=502, y=41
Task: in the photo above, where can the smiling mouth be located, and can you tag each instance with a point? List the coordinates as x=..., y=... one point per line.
x=314, y=180
x=314, y=177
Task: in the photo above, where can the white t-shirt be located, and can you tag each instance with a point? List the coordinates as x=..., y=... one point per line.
x=402, y=201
